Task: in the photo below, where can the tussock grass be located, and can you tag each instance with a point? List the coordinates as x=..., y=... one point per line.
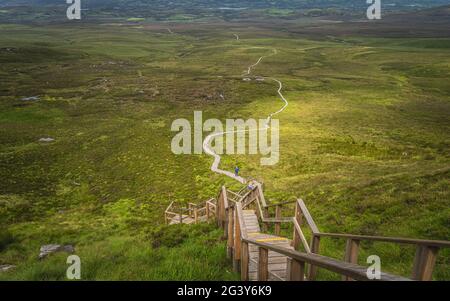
x=364, y=143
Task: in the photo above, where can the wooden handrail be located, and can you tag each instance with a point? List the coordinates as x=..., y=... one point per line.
x=170, y=206
x=399, y=240
x=276, y=220
x=308, y=217
x=260, y=211
x=302, y=236
x=234, y=193
x=281, y=204
x=261, y=195
x=242, y=190
x=241, y=220
x=225, y=198
x=343, y=268
x=210, y=202
x=171, y=213
x=178, y=209
x=246, y=196
x=230, y=217
x=195, y=205
x=247, y=203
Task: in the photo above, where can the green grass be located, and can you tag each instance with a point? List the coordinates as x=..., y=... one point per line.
x=364, y=142
x=180, y=253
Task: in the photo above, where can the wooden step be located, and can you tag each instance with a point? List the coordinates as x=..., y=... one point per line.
x=277, y=262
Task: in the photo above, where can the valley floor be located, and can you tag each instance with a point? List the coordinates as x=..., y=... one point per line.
x=365, y=142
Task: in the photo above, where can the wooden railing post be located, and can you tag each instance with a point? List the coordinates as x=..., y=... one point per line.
x=224, y=210
x=245, y=260
x=351, y=254
x=181, y=216
x=195, y=215
x=219, y=202
x=424, y=262
x=237, y=242
x=298, y=217
x=315, y=244
x=207, y=211
x=230, y=240
x=296, y=270
x=265, y=215
x=225, y=222
x=263, y=264
x=278, y=216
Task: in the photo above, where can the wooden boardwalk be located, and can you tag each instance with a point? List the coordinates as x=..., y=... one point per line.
x=186, y=220
x=277, y=263
x=261, y=256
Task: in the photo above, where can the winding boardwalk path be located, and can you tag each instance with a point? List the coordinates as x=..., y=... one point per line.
x=207, y=142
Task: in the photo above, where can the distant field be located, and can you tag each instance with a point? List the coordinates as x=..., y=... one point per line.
x=365, y=141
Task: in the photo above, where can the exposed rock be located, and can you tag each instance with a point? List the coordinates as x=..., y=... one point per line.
x=49, y=249
x=247, y=79
x=8, y=49
x=31, y=98
x=46, y=140
x=6, y=267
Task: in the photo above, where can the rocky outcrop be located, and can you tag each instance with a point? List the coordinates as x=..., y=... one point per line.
x=7, y=267
x=49, y=249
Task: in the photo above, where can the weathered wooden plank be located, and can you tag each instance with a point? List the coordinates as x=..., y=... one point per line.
x=297, y=270
x=308, y=216
x=271, y=255
x=351, y=254
x=230, y=240
x=299, y=236
x=261, y=195
x=254, y=277
x=272, y=266
x=274, y=243
x=277, y=216
x=348, y=269
x=263, y=262
x=238, y=223
x=251, y=221
x=399, y=240
x=252, y=227
x=315, y=246
x=424, y=263
x=273, y=275
x=245, y=262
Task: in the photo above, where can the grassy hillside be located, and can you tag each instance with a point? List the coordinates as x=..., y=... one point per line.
x=364, y=142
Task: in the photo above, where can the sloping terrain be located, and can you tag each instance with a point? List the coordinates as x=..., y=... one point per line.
x=364, y=142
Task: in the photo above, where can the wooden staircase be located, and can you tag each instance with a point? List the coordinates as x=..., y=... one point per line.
x=245, y=218
x=193, y=214
x=277, y=263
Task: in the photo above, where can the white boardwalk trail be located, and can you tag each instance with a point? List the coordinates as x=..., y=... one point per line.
x=254, y=65
x=207, y=142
